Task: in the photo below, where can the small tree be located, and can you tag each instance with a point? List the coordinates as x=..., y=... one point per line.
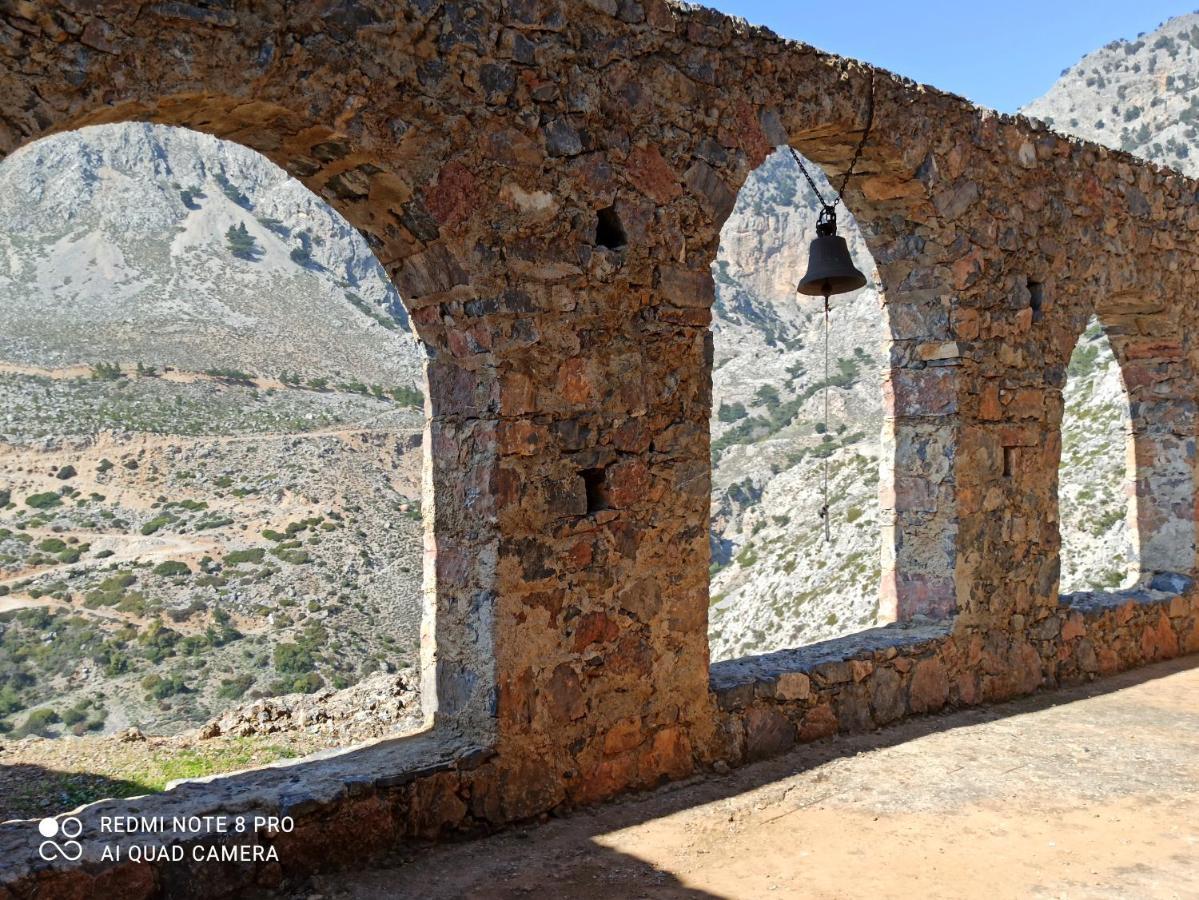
x=242, y=243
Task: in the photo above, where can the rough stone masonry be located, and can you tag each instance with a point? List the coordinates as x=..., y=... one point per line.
x=477, y=145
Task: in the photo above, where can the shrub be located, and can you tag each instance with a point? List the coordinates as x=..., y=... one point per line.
x=158, y=522
x=254, y=555
x=293, y=658
x=406, y=396
x=46, y=500
x=159, y=688
x=104, y=465
x=235, y=688
x=5, y=497
x=106, y=371
x=731, y=412
x=290, y=555
x=38, y=722
x=242, y=243
x=172, y=568
x=308, y=684
x=52, y=545
x=66, y=473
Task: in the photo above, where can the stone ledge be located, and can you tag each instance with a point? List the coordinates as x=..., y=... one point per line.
x=1162, y=588
x=301, y=789
x=730, y=678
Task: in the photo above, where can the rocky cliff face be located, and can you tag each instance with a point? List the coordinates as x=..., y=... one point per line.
x=1139, y=95
x=115, y=245
x=776, y=582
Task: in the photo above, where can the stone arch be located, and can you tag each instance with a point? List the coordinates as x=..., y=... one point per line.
x=1156, y=367
x=906, y=211
x=405, y=224
x=1094, y=494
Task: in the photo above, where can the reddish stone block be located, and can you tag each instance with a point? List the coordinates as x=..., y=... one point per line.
x=669, y=755
x=574, y=383
x=929, y=689
x=1074, y=626
x=453, y=197
x=921, y=392
x=594, y=628
x=623, y=736
x=768, y=732
x=652, y=175
x=818, y=722
x=627, y=482
x=563, y=699
x=435, y=805
x=988, y=403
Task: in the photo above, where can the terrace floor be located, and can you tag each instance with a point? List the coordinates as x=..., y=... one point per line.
x=1087, y=792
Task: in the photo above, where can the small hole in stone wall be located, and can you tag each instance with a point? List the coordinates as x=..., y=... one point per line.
x=608, y=230
x=1036, y=299
x=597, y=489
x=1009, y=459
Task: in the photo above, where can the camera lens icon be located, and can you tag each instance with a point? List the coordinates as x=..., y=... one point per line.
x=69, y=828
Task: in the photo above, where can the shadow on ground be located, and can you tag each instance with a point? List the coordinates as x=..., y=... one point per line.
x=30, y=791
x=1019, y=770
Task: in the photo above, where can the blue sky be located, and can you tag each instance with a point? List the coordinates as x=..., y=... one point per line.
x=998, y=54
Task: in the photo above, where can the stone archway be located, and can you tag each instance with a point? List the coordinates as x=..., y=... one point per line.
x=457, y=656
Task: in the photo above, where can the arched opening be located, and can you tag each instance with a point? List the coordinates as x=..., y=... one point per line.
x=214, y=493
x=1126, y=382
x=1096, y=501
x=775, y=582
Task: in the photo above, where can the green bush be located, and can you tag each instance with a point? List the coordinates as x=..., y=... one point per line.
x=293, y=658
x=235, y=688
x=38, y=722
x=731, y=412
x=242, y=243
x=254, y=555
x=290, y=555
x=52, y=545
x=172, y=568
x=159, y=688
x=46, y=500
x=158, y=522
x=308, y=684
x=106, y=371
x=66, y=473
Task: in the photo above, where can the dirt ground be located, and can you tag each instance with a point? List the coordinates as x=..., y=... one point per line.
x=1086, y=793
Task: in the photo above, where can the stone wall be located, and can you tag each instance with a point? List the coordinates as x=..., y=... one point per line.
x=475, y=145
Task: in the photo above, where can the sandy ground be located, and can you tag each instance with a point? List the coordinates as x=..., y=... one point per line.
x=1087, y=793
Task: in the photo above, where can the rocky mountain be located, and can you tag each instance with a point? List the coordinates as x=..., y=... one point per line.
x=775, y=581
x=210, y=454
x=169, y=247
x=1139, y=95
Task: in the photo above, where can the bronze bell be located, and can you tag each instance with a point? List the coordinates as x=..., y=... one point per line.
x=830, y=267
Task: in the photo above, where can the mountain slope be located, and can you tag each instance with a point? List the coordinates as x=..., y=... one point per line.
x=1138, y=95
x=114, y=244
